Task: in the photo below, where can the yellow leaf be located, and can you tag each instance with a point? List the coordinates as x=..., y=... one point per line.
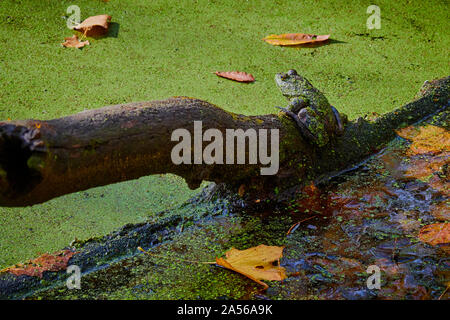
x=428, y=139
x=257, y=263
x=408, y=132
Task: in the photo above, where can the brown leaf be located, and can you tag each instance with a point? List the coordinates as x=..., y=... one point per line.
x=294, y=226
x=441, y=211
x=313, y=200
x=257, y=263
x=236, y=75
x=46, y=262
x=73, y=42
x=445, y=291
x=94, y=26
x=241, y=190
x=421, y=168
x=294, y=39
x=436, y=233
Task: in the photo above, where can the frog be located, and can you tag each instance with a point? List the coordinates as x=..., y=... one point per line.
x=317, y=120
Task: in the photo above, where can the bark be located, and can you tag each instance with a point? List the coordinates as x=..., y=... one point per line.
x=40, y=160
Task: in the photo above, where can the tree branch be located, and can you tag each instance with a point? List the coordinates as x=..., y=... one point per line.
x=40, y=160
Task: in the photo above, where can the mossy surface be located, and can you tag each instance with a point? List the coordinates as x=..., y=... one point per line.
x=167, y=275
x=158, y=49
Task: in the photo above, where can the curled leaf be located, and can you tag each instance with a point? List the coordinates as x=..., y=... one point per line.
x=94, y=26
x=294, y=39
x=73, y=42
x=236, y=76
x=257, y=263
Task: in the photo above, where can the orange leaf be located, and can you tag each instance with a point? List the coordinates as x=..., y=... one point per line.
x=46, y=262
x=257, y=263
x=94, y=26
x=236, y=75
x=294, y=39
x=436, y=233
x=428, y=139
x=73, y=42
x=408, y=132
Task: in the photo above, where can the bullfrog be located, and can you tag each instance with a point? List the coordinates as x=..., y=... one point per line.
x=317, y=120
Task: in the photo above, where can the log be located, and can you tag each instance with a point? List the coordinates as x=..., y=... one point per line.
x=41, y=160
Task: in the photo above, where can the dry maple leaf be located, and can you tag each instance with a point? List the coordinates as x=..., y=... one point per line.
x=94, y=26
x=257, y=263
x=73, y=42
x=436, y=233
x=294, y=39
x=46, y=262
x=236, y=76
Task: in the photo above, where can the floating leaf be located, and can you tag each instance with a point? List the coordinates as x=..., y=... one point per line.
x=257, y=263
x=73, y=42
x=94, y=26
x=236, y=76
x=428, y=139
x=441, y=211
x=436, y=233
x=295, y=225
x=46, y=262
x=445, y=291
x=409, y=132
x=424, y=167
x=241, y=190
x=294, y=39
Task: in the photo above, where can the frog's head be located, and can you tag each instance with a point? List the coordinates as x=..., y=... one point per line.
x=291, y=84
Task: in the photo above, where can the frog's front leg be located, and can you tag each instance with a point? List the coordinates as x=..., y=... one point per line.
x=316, y=125
x=339, y=121
x=303, y=128
x=297, y=104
